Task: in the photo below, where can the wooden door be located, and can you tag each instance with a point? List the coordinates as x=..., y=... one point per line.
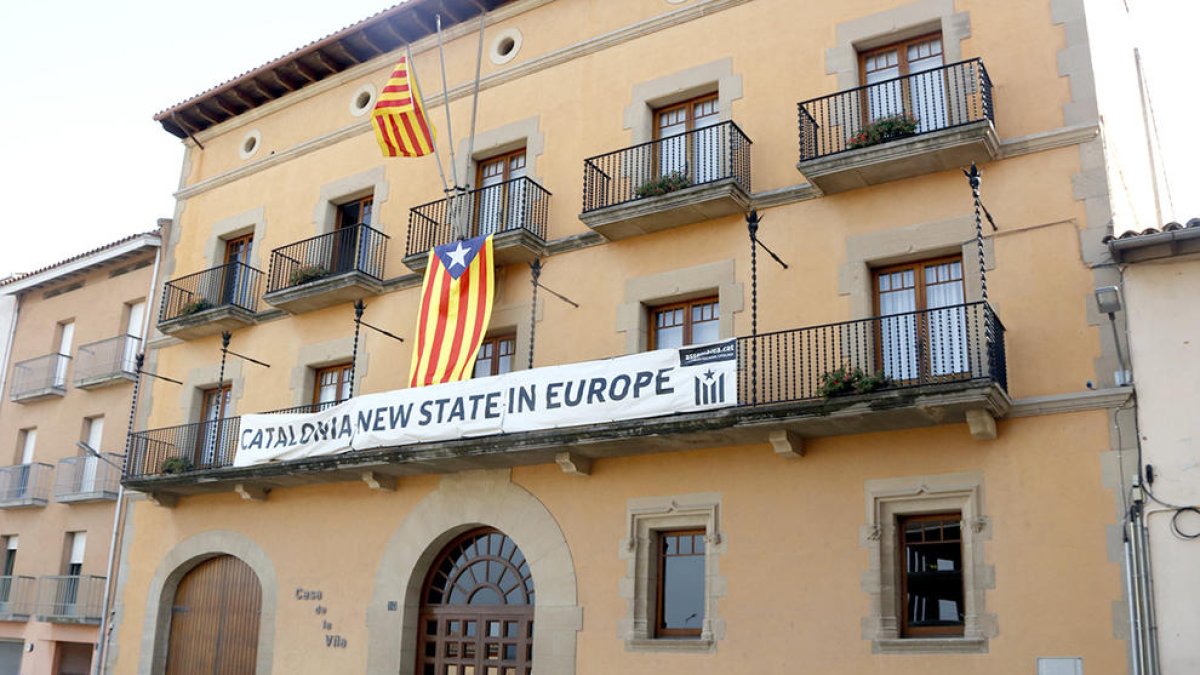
x=215, y=620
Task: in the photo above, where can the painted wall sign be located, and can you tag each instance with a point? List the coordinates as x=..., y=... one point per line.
x=651, y=384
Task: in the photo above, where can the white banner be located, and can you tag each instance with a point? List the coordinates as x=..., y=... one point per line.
x=655, y=383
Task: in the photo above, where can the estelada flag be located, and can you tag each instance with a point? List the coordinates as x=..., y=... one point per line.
x=399, y=117
x=456, y=305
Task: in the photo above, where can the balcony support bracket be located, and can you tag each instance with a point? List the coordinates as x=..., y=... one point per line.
x=574, y=464
x=163, y=499
x=787, y=444
x=982, y=424
x=379, y=482
x=256, y=493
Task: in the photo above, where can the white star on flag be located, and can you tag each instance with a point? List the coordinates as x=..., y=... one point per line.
x=458, y=256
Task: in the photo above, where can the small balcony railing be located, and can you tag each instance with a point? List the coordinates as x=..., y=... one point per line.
x=106, y=360
x=88, y=478
x=359, y=248
x=911, y=105
x=231, y=285
x=70, y=599
x=39, y=377
x=517, y=204
x=200, y=446
x=24, y=485
x=959, y=343
x=707, y=155
x=16, y=597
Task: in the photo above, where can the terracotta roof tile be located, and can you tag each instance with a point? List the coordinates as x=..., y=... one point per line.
x=1169, y=227
x=99, y=249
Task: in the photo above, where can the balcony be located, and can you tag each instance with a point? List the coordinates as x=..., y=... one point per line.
x=210, y=302
x=39, y=379
x=24, y=485
x=16, y=597
x=70, y=599
x=927, y=368
x=937, y=120
x=686, y=178
x=329, y=269
x=88, y=479
x=515, y=211
x=106, y=362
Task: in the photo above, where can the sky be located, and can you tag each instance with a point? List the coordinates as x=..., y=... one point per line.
x=82, y=163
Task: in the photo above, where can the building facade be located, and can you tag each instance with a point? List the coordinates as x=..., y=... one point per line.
x=916, y=474
x=1161, y=270
x=76, y=329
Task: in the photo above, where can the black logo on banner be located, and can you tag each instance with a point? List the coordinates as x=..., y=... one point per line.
x=697, y=356
x=710, y=388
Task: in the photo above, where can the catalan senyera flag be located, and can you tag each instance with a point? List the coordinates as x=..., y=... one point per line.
x=399, y=117
x=456, y=305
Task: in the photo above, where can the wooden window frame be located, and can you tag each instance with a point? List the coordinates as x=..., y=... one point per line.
x=505, y=157
x=907, y=631
x=687, y=306
x=343, y=374
x=496, y=340
x=246, y=240
x=901, y=46
x=918, y=268
x=661, y=631
x=339, y=218
x=687, y=106
x=502, y=211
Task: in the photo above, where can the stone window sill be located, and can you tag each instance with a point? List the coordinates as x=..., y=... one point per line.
x=971, y=645
x=667, y=645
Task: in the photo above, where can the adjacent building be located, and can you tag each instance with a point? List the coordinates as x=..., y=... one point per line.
x=912, y=469
x=75, y=330
x=1161, y=274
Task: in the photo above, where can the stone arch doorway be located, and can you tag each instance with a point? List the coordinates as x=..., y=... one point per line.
x=214, y=621
x=477, y=609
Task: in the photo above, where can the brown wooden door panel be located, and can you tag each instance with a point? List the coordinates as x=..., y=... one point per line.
x=215, y=620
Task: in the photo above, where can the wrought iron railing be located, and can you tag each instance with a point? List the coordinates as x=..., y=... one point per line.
x=17, y=596
x=105, y=359
x=233, y=284
x=942, y=98
x=38, y=376
x=88, y=477
x=707, y=155
x=200, y=446
x=959, y=343
x=358, y=248
x=24, y=484
x=517, y=204
x=71, y=598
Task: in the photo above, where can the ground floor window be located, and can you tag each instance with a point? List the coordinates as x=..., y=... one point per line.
x=477, y=609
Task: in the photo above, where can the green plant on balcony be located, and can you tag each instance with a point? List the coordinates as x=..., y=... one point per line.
x=303, y=275
x=883, y=130
x=661, y=185
x=843, y=380
x=176, y=465
x=195, y=307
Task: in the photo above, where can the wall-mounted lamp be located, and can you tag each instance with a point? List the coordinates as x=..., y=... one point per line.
x=1108, y=301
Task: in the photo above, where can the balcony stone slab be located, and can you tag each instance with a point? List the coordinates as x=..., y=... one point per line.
x=511, y=247
x=208, y=322
x=104, y=380
x=682, y=207
x=38, y=394
x=932, y=152
x=326, y=292
x=924, y=406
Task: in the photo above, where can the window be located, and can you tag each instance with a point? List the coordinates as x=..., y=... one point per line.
x=922, y=329
x=673, y=583
x=922, y=94
x=501, y=202
x=355, y=212
x=680, y=583
x=931, y=580
x=89, y=464
x=66, y=333
x=19, y=487
x=925, y=537
x=331, y=385
x=495, y=356
x=685, y=323
x=349, y=249
x=214, y=415
x=688, y=142
x=6, y=571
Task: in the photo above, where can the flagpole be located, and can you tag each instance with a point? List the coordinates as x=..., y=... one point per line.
x=475, y=97
x=412, y=69
x=455, y=217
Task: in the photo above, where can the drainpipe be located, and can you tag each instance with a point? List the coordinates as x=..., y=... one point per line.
x=99, y=667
